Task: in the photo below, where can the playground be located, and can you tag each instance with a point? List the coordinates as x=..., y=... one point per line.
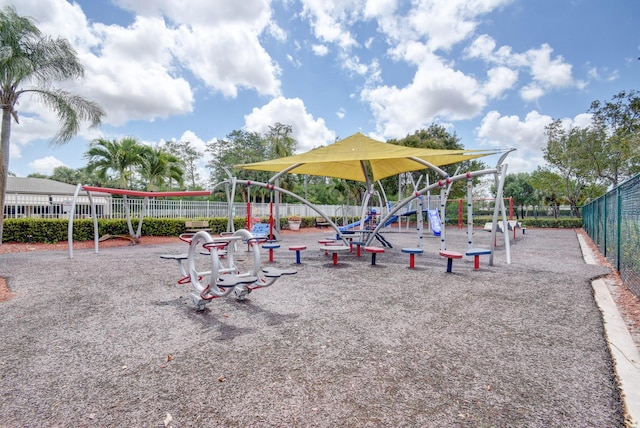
x=112, y=339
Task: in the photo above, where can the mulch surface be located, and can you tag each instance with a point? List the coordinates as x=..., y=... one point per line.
x=111, y=339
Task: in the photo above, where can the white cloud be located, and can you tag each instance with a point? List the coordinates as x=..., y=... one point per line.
x=133, y=63
x=604, y=74
x=307, y=131
x=445, y=23
x=196, y=142
x=58, y=18
x=45, y=165
x=547, y=72
x=31, y=127
x=219, y=41
x=276, y=32
x=369, y=42
x=379, y=8
x=320, y=50
x=125, y=66
x=330, y=20
x=440, y=24
x=482, y=47
x=500, y=79
x=226, y=58
x=437, y=91
x=496, y=130
x=204, y=12
x=526, y=135
x=583, y=120
x=554, y=73
x=531, y=92
x=353, y=64
x=294, y=61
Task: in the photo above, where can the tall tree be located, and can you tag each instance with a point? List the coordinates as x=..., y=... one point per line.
x=28, y=58
x=617, y=156
x=189, y=156
x=566, y=157
x=518, y=187
x=115, y=159
x=548, y=189
x=237, y=148
x=280, y=144
x=68, y=175
x=279, y=141
x=435, y=137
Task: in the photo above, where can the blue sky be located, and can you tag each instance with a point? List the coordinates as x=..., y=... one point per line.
x=495, y=72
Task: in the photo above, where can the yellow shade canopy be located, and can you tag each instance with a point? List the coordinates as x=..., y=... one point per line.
x=350, y=159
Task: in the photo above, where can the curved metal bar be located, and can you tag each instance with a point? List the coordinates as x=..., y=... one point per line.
x=429, y=165
x=143, y=211
x=245, y=235
x=284, y=171
x=70, y=225
x=440, y=184
x=503, y=157
x=96, y=238
x=210, y=290
x=300, y=199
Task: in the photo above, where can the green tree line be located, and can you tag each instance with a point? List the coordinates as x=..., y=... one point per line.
x=583, y=162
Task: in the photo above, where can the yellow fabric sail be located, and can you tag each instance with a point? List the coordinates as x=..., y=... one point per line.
x=351, y=157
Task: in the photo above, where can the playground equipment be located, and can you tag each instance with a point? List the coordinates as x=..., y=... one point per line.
x=297, y=249
x=450, y=255
x=212, y=268
x=412, y=255
x=434, y=221
x=363, y=159
x=373, y=251
x=217, y=275
x=499, y=173
x=124, y=192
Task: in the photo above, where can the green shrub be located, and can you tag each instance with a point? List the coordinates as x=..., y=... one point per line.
x=55, y=230
x=562, y=223
x=547, y=222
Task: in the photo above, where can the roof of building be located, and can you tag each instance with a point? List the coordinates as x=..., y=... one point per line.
x=39, y=186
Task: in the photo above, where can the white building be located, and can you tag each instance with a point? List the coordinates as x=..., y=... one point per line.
x=44, y=198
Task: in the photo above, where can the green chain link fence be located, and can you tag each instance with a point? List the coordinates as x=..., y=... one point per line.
x=613, y=223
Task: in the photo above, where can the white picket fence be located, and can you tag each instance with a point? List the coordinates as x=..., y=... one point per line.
x=58, y=206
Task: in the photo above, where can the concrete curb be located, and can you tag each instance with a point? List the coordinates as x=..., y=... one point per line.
x=621, y=345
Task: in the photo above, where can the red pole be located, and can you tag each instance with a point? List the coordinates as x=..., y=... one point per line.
x=249, y=205
x=511, y=208
x=248, y=215
x=459, y=213
x=271, y=215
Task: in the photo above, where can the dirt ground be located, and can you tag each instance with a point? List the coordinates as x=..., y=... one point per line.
x=110, y=339
x=627, y=302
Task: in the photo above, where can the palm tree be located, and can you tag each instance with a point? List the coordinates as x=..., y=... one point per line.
x=118, y=158
x=159, y=166
x=26, y=57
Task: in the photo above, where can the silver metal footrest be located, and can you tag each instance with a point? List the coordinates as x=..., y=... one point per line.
x=272, y=272
x=228, y=281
